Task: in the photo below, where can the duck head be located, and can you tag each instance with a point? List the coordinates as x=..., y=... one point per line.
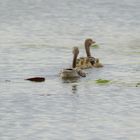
x=75, y=51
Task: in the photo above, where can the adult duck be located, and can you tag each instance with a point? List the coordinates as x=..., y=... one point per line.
x=86, y=62
x=73, y=72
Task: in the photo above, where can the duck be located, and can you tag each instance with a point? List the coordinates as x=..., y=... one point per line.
x=89, y=61
x=73, y=72
x=97, y=64
x=86, y=62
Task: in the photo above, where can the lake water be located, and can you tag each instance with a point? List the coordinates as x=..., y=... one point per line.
x=36, y=39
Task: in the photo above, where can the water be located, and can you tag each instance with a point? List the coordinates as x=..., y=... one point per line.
x=36, y=39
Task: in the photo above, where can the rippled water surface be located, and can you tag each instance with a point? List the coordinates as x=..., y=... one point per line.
x=36, y=39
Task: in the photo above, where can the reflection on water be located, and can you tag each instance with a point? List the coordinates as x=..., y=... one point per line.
x=74, y=88
x=36, y=39
x=70, y=80
x=73, y=82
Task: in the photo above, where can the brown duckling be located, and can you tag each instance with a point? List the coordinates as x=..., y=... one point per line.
x=97, y=64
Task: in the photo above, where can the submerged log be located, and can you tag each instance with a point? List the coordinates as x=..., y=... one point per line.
x=36, y=79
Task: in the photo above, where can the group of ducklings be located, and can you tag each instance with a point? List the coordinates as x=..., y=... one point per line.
x=81, y=63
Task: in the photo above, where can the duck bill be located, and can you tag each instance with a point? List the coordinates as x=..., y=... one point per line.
x=93, y=42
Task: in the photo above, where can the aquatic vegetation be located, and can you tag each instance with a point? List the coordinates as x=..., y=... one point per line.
x=102, y=81
x=138, y=84
x=136, y=52
x=95, y=45
x=125, y=83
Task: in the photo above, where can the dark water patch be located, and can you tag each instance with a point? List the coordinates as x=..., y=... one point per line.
x=46, y=94
x=7, y=81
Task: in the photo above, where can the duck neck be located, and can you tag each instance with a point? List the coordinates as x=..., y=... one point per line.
x=87, y=48
x=74, y=61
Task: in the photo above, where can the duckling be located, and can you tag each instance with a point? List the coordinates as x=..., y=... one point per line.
x=83, y=63
x=97, y=64
x=73, y=72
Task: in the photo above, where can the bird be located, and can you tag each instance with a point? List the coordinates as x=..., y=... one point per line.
x=89, y=61
x=73, y=72
x=86, y=62
x=97, y=64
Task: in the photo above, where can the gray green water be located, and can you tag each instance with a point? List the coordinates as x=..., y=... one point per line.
x=36, y=39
